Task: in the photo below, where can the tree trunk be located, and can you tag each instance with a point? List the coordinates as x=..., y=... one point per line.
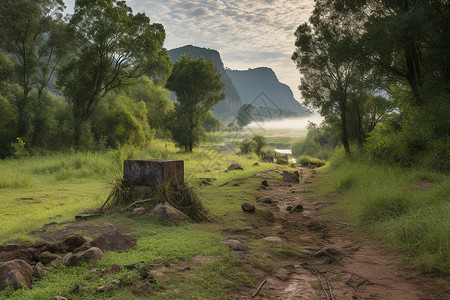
x=344, y=134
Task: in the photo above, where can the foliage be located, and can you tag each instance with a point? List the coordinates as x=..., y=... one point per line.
x=260, y=142
x=115, y=47
x=247, y=146
x=308, y=161
x=212, y=124
x=196, y=86
x=320, y=142
x=157, y=102
x=28, y=32
x=407, y=209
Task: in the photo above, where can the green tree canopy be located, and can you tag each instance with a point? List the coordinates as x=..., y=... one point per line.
x=197, y=88
x=115, y=47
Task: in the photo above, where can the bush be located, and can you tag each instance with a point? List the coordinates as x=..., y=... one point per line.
x=307, y=161
x=319, y=142
x=247, y=146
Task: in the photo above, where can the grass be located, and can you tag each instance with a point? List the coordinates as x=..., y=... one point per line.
x=59, y=186
x=387, y=202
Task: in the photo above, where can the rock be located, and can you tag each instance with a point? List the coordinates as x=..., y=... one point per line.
x=264, y=183
x=104, y=288
x=273, y=239
x=91, y=255
x=60, y=298
x=47, y=257
x=288, y=208
x=327, y=251
x=38, y=269
x=115, y=268
x=321, y=205
x=165, y=211
x=248, y=207
x=265, y=200
x=72, y=242
x=113, y=240
x=291, y=177
x=297, y=208
x=235, y=166
x=233, y=244
x=139, y=211
x=15, y=251
x=255, y=164
x=15, y=273
x=83, y=247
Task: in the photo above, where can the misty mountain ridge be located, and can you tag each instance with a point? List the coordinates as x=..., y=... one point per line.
x=259, y=87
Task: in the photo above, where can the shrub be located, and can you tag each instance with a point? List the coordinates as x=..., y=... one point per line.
x=247, y=146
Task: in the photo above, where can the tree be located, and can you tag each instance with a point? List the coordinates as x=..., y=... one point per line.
x=115, y=47
x=260, y=142
x=325, y=56
x=26, y=34
x=211, y=124
x=197, y=88
x=244, y=116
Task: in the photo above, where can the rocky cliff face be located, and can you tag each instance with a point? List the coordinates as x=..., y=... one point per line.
x=232, y=96
x=261, y=88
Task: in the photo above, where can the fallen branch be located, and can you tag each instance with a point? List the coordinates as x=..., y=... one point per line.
x=225, y=183
x=321, y=285
x=259, y=288
x=139, y=202
x=109, y=197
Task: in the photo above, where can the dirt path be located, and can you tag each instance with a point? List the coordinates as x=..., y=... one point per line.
x=336, y=265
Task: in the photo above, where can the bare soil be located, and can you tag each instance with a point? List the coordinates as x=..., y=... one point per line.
x=336, y=264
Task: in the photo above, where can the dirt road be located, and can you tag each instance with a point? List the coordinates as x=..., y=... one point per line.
x=336, y=265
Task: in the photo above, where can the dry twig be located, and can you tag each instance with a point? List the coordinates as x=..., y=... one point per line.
x=259, y=288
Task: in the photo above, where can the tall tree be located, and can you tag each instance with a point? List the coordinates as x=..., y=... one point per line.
x=325, y=56
x=116, y=47
x=25, y=30
x=197, y=88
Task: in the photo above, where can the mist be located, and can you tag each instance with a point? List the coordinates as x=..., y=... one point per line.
x=287, y=124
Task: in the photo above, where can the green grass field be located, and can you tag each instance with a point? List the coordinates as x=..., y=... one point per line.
x=40, y=190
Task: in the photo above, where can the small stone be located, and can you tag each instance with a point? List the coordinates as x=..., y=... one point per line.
x=235, y=166
x=60, y=298
x=139, y=211
x=288, y=208
x=248, y=207
x=115, y=268
x=265, y=200
x=273, y=239
x=47, y=257
x=104, y=288
x=264, y=183
x=72, y=242
x=38, y=269
x=255, y=164
x=297, y=208
x=147, y=287
x=234, y=244
x=56, y=262
x=94, y=270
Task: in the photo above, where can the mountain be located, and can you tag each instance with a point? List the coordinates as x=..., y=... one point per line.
x=261, y=88
x=226, y=109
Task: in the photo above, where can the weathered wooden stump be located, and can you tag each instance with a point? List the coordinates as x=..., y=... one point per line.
x=153, y=172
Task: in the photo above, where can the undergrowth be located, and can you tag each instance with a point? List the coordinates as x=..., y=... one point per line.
x=407, y=209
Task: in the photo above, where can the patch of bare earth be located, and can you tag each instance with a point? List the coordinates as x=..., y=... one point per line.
x=335, y=264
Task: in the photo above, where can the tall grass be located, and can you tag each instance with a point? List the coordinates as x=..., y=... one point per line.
x=390, y=203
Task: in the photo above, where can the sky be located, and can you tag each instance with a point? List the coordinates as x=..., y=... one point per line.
x=247, y=33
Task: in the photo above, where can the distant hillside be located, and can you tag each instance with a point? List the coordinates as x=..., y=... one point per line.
x=261, y=88
x=228, y=108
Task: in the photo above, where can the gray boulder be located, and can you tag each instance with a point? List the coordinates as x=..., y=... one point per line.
x=91, y=255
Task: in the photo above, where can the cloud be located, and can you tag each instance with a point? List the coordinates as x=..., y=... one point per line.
x=247, y=33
